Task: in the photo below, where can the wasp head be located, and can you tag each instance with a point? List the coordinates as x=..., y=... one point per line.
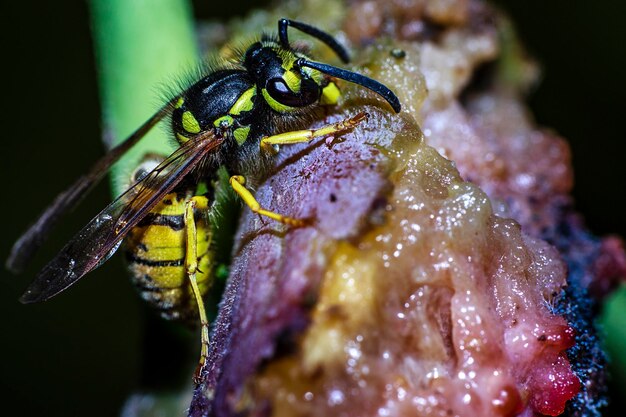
x=283, y=82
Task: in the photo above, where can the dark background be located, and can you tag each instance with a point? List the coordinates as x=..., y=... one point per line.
x=84, y=352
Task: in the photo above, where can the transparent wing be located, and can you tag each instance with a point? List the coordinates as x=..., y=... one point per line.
x=28, y=244
x=101, y=236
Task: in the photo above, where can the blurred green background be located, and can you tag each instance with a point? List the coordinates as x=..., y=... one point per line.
x=84, y=352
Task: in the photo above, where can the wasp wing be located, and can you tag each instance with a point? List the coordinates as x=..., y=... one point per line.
x=28, y=244
x=96, y=241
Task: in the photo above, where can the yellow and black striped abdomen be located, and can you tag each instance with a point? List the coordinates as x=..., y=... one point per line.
x=156, y=252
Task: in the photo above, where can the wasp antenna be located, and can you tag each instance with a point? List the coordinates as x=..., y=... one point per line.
x=283, y=23
x=356, y=78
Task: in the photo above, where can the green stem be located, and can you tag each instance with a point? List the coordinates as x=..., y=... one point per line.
x=612, y=322
x=139, y=45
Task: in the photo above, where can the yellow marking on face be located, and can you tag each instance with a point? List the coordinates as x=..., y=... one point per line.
x=287, y=58
x=281, y=108
x=244, y=102
x=330, y=94
x=241, y=134
x=224, y=121
x=190, y=124
x=292, y=81
x=179, y=103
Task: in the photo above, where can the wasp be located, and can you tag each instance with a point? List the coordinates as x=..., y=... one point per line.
x=236, y=117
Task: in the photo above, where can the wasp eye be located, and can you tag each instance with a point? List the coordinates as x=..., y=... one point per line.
x=278, y=90
x=309, y=92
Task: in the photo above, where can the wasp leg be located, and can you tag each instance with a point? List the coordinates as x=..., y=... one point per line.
x=238, y=184
x=299, y=136
x=191, y=265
